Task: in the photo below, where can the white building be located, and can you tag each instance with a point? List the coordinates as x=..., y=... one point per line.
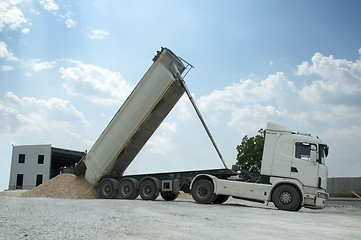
x=32, y=165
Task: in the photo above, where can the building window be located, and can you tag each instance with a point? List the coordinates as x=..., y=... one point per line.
x=19, y=181
x=40, y=159
x=39, y=179
x=21, y=158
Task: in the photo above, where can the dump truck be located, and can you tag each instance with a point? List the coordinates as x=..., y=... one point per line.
x=293, y=165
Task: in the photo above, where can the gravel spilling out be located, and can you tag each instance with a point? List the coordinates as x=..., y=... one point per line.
x=63, y=186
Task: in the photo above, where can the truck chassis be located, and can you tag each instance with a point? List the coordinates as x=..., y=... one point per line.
x=209, y=186
x=148, y=186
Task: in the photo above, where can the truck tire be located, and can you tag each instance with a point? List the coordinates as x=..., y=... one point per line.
x=203, y=191
x=148, y=189
x=127, y=188
x=107, y=188
x=219, y=199
x=169, y=196
x=286, y=197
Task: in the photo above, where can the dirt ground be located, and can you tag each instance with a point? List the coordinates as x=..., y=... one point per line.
x=51, y=218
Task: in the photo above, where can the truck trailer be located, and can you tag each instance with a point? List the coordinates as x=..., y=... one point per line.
x=293, y=164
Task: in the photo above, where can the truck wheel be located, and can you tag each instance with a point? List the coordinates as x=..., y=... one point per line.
x=169, y=196
x=148, y=190
x=203, y=191
x=128, y=188
x=107, y=188
x=286, y=197
x=219, y=199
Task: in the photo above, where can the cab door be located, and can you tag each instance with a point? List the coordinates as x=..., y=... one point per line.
x=322, y=176
x=303, y=168
x=322, y=168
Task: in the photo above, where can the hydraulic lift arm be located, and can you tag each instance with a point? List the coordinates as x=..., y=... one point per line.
x=178, y=75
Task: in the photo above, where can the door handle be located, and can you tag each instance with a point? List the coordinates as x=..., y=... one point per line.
x=293, y=169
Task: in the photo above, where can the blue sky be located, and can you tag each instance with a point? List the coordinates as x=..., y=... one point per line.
x=67, y=66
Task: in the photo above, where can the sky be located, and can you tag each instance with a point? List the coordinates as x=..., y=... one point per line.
x=67, y=66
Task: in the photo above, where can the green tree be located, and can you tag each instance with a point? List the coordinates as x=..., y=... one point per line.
x=249, y=155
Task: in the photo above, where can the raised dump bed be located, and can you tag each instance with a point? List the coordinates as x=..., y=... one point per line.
x=136, y=120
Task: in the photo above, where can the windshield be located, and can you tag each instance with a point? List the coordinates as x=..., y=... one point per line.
x=323, y=153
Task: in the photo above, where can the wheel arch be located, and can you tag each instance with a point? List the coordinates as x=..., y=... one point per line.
x=136, y=183
x=295, y=184
x=155, y=180
x=208, y=177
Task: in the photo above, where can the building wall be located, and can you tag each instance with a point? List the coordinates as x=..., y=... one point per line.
x=343, y=186
x=30, y=169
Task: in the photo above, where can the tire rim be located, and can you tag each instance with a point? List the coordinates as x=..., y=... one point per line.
x=107, y=189
x=286, y=197
x=148, y=190
x=126, y=189
x=202, y=191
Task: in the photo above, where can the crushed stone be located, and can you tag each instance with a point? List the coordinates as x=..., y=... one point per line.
x=63, y=186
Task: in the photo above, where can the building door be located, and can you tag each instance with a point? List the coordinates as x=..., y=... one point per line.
x=39, y=179
x=19, y=181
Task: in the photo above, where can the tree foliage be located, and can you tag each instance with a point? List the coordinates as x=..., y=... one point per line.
x=249, y=154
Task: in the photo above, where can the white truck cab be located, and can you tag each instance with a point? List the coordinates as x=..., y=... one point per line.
x=295, y=165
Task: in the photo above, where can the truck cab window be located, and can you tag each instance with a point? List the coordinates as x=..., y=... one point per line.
x=303, y=151
x=323, y=153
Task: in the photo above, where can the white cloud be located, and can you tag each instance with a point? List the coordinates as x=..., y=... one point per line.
x=25, y=30
x=344, y=133
x=183, y=109
x=36, y=65
x=33, y=11
x=240, y=99
x=97, y=34
x=53, y=7
x=161, y=142
x=6, y=68
x=340, y=80
x=240, y=116
x=332, y=100
x=4, y=53
x=11, y=15
x=37, y=114
x=70, y=23
x=84, y=143
x=49, y=5
x=96, y=84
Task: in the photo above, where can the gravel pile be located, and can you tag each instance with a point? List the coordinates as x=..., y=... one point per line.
x=63, y=186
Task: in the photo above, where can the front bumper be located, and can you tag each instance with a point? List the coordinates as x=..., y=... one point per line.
x=317, y=200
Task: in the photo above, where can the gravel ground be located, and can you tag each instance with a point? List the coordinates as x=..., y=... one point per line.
x=49, y=218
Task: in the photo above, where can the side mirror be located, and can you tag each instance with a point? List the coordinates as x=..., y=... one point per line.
x=313, y=154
